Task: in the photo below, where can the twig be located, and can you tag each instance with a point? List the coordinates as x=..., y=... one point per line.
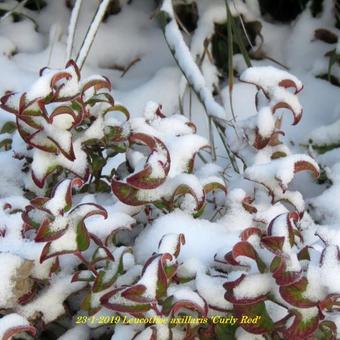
x=91, y=33
x=211, y=140
x=127, y=68
x=72, y=28
x=14, y=9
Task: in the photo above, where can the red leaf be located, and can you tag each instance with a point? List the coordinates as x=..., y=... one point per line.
x=144, y=178
x=246, y=233
x=135, y=293
x=300, y=328
x=214, y=186
x=46, y=234
x=125, y=193
x=303, y=165
x=131, y=309
x=244, y=248
x=281, y=275
x=273, y=243
x=72, y=63
x=187, y=304
x=229, y=295
x=17, y=330
x=293, y=294
x=256, y=312
x=288, y=83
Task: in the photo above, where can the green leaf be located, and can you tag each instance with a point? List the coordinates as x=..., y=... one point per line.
x=8, y=127
x=264, y=323
x=83, y=240
x=224, y=331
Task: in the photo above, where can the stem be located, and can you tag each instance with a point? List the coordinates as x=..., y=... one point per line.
x=87, y=263
x=226, y=146
x=72, y=29
x=91, y=33
x=14, y=9
x=211, y=140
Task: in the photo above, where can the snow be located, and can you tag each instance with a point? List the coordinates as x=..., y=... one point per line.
x=90, y=35
x=265, y=122
x=11, y=321
x=103, y=228
x=124, y=332
x=268, y=77
x=11, y=178
x=253, y=286
x=8, y=275
x=75, y=333
x=50, y=301
x=280, y=171
x=326, y=135
x=241, y=334
x=189, y=67
x=187, y=294
x=196, y=233
x=212, y=291
x=72, y=28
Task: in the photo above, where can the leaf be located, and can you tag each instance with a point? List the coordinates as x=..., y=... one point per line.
x=83, y=276
x=297, y=115
x=281, y=275
x=304, y=166
x=46, y=233
x=304, y=254
x=325, y=36
x=126, y=193
x=40, y=181
x=11, y=332
x=264, y=323
x=301, y=328
x=133, y=309
x=83, y=239
x=135, y=293
x=331, y=302
x=327, y=330
x=189, y=305
x=8, y=127
x=145, y=179
x=229, y=295
x=246, y=233
x=119, y=108
x=224, y=332
x=166, y=244
x=293, y=294
x=273, y=243
x=212, y=186
x=246, y=203
x=182, y=190
x=97, y=84
x=246, y=249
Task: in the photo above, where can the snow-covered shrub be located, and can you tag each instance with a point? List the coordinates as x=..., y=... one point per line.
x=71, y=126
x=65, y=249
x=165, y=178
x=66, y=123
x=266, y=159
x=283, y=287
